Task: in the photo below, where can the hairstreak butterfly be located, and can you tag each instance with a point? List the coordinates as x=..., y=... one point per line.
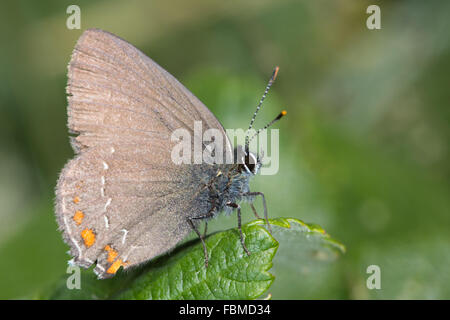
x=122, y=200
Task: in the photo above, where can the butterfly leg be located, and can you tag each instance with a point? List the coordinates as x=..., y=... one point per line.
x=266, y=217
x=210, y=214
x=205, y=250
x=254, y=211
x=206, y=229
x=238, y=209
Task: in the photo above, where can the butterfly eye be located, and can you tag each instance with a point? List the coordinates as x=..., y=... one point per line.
x=251, y=162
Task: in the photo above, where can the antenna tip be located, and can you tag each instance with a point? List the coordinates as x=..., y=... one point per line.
x=275, y=72
x=282, y=114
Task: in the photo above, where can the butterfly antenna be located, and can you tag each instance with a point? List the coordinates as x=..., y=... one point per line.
x=278, y=117
x=269, y=84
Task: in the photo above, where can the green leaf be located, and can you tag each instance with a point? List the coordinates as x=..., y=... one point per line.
x=305, y=239
x=231, y=273
x=305, y=260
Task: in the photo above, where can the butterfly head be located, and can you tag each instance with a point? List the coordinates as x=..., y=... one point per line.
x=248, y=162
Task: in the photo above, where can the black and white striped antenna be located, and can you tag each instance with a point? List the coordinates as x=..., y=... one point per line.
x=278, y=117
x=272, y=79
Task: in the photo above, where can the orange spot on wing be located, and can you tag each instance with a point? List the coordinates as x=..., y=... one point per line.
x=112, y=254
x=115, y=266
x=76, y=200
x=78, y=217
x=88, y=236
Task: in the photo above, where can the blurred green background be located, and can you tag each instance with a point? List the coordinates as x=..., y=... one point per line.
x=364, y=148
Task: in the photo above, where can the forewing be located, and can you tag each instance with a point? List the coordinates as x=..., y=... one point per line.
x=117, y=92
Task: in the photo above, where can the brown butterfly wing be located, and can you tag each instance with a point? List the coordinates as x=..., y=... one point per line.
x=121, y=200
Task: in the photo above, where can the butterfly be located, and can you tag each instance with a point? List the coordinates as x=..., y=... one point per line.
x=122, y=201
